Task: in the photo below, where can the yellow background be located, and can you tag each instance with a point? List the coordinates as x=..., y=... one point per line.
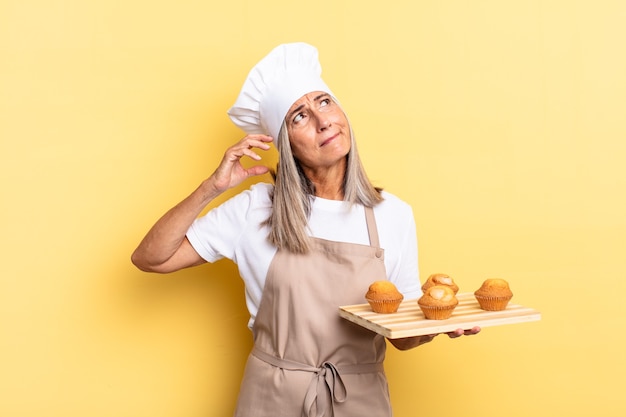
x=500, y=122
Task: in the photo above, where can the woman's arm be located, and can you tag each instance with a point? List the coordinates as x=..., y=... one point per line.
x=407, y=343
x=165, y=247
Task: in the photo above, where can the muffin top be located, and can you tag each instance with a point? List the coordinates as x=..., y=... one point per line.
x=494, y=287
x=438, y=296
x=383, y=290
x=440, y=279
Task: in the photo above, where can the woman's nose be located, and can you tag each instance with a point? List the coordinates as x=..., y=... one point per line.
x=323, y=121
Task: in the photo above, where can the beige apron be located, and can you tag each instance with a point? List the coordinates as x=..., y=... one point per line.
x=306, y=360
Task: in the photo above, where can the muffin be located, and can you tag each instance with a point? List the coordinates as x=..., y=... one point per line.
x=384, y=297
x=494, y=294
x=438, y=302
x=440, y=279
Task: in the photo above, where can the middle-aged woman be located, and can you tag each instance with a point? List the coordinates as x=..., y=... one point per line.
x=310, y=242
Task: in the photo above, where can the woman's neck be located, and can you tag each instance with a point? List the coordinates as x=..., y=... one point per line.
x=329, y=187
x=329, y=193
x=328, y=181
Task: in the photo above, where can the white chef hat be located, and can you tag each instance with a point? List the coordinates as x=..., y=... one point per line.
x=287, y=73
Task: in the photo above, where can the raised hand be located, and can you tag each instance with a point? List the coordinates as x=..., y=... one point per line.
x=231, y=172
x=165, y=247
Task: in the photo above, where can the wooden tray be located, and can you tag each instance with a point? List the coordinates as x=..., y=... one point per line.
x=410, y=321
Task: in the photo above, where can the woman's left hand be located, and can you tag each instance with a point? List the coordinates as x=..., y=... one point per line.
x=461, y=332
x=407, y=343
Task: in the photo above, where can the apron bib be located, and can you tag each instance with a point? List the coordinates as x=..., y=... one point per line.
x=307, y=361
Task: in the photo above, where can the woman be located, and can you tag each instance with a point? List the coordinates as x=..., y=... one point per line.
x=304, y=246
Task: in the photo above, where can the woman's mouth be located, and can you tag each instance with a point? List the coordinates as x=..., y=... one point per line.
x=330, y=139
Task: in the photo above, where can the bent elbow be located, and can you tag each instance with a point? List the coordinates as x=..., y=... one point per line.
x=141, y=263
x=163, y=263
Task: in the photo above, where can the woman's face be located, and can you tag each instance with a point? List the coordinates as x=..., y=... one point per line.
x=318, y=131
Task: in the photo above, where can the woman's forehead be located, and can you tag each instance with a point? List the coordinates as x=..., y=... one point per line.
x=308, y=98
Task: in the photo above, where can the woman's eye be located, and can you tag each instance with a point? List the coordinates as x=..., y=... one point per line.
x=298, y=117
x=325, y=102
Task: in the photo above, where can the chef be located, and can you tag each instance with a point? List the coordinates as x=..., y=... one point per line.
x=307, y=242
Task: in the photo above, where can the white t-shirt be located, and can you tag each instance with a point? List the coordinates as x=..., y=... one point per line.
x=233, y=230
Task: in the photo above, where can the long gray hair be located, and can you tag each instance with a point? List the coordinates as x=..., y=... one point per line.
x=293, y=193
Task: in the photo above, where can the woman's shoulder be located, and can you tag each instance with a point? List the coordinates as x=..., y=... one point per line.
x=393, y=202
x=258, y=194
x=262, y=190
x=253, y=199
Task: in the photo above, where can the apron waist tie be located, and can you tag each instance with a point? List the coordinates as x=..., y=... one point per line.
x=327, y=378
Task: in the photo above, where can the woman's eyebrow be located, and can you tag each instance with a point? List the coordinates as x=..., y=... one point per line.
x=321, y=96
x=296, y=110
x=317, y=98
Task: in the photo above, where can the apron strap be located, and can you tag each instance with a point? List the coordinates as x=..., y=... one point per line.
x=372, y=230
x=326, y=379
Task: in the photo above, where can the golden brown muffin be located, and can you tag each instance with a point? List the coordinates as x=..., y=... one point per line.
x=384, y=297
x=494, y=294
x=438, y=302
x=440, y=279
